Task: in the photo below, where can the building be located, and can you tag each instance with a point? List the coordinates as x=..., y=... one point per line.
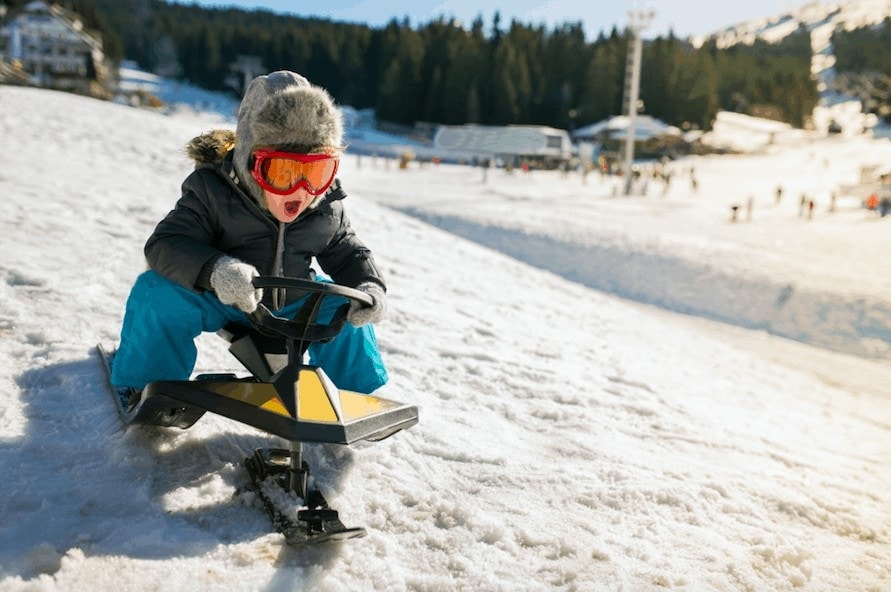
x=545, y=146
x=605, y=139
x=49, y=45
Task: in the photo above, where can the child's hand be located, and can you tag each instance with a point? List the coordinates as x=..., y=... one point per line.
x=360, y=314
x=231, y=280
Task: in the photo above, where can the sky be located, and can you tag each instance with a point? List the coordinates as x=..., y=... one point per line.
x=585, y=422
x=685, y=17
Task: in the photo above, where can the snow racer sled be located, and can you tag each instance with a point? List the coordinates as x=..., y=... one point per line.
x=284, y=397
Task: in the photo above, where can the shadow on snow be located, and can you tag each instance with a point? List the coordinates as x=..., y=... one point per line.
x=80, y=479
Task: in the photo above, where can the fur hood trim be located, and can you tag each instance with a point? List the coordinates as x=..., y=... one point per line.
x=211, y=148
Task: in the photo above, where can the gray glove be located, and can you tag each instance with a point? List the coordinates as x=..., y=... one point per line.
x=360, y=314
x=231, y=281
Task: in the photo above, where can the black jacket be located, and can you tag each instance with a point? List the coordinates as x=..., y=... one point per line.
x=214, y=217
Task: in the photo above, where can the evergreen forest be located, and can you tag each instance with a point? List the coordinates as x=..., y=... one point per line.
x=488, y=73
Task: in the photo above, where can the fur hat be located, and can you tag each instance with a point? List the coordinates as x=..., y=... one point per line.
x=283, y=109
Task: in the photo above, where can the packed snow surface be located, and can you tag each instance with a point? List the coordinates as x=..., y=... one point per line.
x=615, y=392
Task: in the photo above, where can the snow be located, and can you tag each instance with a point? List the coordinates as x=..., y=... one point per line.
x=848, y=15
x=833, y=111
x=586, y=422
x=176, y=94
x=743, y=133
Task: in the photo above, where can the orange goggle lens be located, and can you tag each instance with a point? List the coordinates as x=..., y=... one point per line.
x=283, y=173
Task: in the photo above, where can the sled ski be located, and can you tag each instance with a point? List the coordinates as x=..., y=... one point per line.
x=317, y=523
x=283, y=397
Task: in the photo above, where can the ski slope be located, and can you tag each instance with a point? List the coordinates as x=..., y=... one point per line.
x=570, y=438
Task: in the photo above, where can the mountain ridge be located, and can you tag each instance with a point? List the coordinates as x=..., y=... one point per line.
x=849, y=15
x=840, y=107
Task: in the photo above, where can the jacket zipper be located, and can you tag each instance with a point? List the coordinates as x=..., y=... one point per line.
x=278, y=294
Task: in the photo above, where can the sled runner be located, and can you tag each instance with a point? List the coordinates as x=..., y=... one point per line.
x=282, y=396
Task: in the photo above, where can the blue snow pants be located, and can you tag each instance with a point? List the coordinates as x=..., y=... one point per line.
x=162, y=320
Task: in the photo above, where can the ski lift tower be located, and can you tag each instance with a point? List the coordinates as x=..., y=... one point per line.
x=638, y=20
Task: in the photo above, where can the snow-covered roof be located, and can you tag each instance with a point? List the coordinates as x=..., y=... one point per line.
x=511, y=139
x=645, y=127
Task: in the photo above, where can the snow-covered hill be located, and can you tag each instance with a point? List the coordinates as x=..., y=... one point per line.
x=847, y=15
x=834, y=111
x=569, y=440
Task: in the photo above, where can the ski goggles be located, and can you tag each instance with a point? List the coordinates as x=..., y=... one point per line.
x=283, y=173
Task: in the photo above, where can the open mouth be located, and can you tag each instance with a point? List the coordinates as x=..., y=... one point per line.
x=293, y=207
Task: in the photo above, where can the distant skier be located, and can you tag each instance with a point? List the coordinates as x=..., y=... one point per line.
x=262, y=201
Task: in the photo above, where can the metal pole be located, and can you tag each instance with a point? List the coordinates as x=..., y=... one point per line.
x=637, y=22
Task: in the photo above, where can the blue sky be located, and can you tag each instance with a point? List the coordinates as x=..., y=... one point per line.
x=686, y=17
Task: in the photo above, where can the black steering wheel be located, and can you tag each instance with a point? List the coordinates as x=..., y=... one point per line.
x=303, y=327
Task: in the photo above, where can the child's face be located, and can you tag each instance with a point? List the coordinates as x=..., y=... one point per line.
x=286, y=208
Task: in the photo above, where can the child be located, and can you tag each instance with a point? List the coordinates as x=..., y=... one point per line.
x=262, y=201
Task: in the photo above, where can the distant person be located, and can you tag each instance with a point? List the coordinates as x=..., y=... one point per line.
x=666, y=177
x=779, y=197
x=262, y=201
